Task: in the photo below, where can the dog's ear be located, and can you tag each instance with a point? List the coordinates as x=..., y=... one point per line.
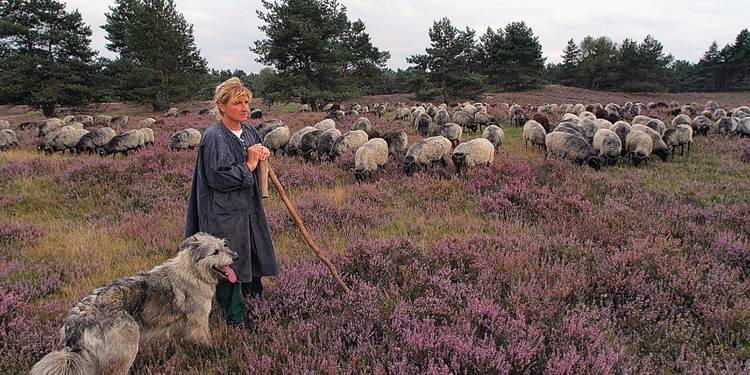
x=193, y=246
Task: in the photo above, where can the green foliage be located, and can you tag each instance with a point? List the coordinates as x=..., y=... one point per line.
x=45, y=55
x=524, y=63
x=158, y=61
x=317, y=53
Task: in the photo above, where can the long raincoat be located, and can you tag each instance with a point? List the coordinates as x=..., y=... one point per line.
x=225, y=201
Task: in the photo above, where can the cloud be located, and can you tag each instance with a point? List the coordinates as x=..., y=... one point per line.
x=224, y=29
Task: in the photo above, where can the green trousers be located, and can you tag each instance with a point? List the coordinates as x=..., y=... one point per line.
x=229, y=298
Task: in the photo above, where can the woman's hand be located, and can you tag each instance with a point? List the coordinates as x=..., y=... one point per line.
x=256, y=153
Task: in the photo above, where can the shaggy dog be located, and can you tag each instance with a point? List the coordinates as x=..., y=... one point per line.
x=102, y=332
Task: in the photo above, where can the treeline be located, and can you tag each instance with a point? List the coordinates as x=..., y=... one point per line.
x=314, y=54
x=601, y=64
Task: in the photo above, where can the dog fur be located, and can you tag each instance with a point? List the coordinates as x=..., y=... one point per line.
x=102, y=332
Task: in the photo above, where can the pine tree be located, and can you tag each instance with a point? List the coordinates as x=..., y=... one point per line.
x=710, y=68
x=524, y=64
x=45, y=55
x=158, y=60
x=493, y=54
x=571, y=58
x=738, y=59
x=317, y=53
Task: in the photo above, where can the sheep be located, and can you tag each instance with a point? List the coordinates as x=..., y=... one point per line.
x=204, y=111
x=326, y=124
x=276, y=139
x=726, y=125
x=494, y=134
x=172, y=112
x=327, y=107
x=146, y=122
x=8, y=139
x=255, y=113
x=578, y=108
x=570, y=128
x=689, y=110
x=352, y=113
x=266, y=127
x=680, y=135
x=402, y=114
x=621, y=128
x=719, y=113
x=463, y=119
x=601, y=113
x=743, y=127
x=640, y=119
x=65, y=138
x=362, y=123
x=712, y=105
x=47, y=126
x=148, y=136
x=350, y=140
x=588, y=128
x=657, y=125
x=517, y=116
x=586, y=114
x=123, y=143
x=120, y=121
x=397, y=142
x=543, y=120
x=308, y=146
x=607, y=143
x=573, y=148
x=534, y=133
x=184, y=139
x=614, y=109
x=102, y=120
x=639, y=145
x=304, y=108
x=701, y=125
x=470, y=109
x=86, y=120
x=336, y=115
x=603, y=124
x=370, y=157
x=480, y=119
x=427, y=152
x=452, y=131
x=68, y=119
x=94, y=140
x=681, y=119
x=659, y=147
x=326, y=142
x=442, y=116
x=477, y=151
x=4, y=124
x=422, y=123
x=295, y=140
x=570, y=117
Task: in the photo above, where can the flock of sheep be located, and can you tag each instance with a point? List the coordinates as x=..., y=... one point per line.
x=592, y=135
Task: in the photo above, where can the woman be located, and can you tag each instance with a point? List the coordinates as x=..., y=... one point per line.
x=225, y=201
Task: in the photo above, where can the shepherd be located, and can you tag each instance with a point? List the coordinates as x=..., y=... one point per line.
x=225, y=200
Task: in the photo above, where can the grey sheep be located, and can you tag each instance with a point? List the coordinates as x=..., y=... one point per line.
x=295, y=141
x=63, y=139
x=494, y=134
x=255, y=113
x=350, y=140
x=640, y=119
x=47, y=126
x=4, y=124
x=184, y=139
x=621, y=128
x=573, y=148
x=123, y=143
x=325, y=124
x=326, y=142
x=402, y=114
x=146, y=122
x=148, y=136
x=308, y=146
x=422, y=123
x=277, y=139
x=588, y=128
x=463, y=119
x=470, y=154
x=397, y=142
x=534, y=133
x=8, y=139
x=352, y=113
x=603, y=124
x=91, y=142
x=726, y=125
x=266, y=127
x=86, y=120
x=607, y=143
x=480, y=119
x=743, y=127
x=719, y=113
x=102, y=120
x=639, y=146
x=120, y=121
x=336, y=115
x=657, y=125
x=363, y=123
x=442, y=116
x=571, y=117
x=570, y=128
x=172, y=112
x=427, y=152
x=680, y=135
x=68, y=119
x=304, y=108
x=681, y=119
x=659, y=147
x=370, y=157
x=701, y=125
x=452, y=131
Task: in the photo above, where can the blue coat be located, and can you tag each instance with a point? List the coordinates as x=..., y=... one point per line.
x=225, y=201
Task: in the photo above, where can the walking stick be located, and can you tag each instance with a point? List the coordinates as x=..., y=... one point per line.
x=264, y=172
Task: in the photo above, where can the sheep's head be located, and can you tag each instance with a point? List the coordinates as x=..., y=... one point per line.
x=362, y=175
x=663, y=154
x=594, y=162
x=409, y=165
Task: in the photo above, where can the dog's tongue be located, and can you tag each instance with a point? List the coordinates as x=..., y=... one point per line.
x=229, y=272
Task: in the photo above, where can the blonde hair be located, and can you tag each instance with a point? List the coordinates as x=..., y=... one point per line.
x=229, y=89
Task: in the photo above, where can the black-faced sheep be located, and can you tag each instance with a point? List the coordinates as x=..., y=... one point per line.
x=659, y=147
x=621, y=128
x=326, y=124
x=350, y=140
x=295, y=141
x=47, y=126
x=452, y=131
x=726, y=125
x=326, y=142
x=534, y=133
x=91, y=142
x=608, y=145
x=701, y=125
x=8, y=139
x=256, y=114
x=427, y=152
x=277, y=139
x=543, y=120
x=494, y=134
x=573, y=148
x=657, y=125
x=308, y=146
x=146, y=122
x=172, y=112
x=183, y=139
x=743, y=127
x=442, y=116
x=397, y=142
x=639, y=146
x=370, y=157
x=363, y=123
x=680, y=135
x=124, y=143
x=65, y=138
x=422, y=123
x=469, y=154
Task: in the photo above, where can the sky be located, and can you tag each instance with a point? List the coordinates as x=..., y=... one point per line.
x=224, y=29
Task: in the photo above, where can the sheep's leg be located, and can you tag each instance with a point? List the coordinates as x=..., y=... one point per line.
x=689, y=144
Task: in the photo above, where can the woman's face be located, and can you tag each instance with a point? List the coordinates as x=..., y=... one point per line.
x=236, y=108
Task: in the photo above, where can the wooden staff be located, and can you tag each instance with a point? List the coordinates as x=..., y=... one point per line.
x=265, y=168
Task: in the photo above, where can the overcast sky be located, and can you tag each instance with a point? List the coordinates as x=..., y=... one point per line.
x=225, y=28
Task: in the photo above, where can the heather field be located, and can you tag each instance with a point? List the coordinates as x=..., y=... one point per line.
x=528, y=266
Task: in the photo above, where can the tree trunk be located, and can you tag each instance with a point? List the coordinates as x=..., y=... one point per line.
x=48, y=109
